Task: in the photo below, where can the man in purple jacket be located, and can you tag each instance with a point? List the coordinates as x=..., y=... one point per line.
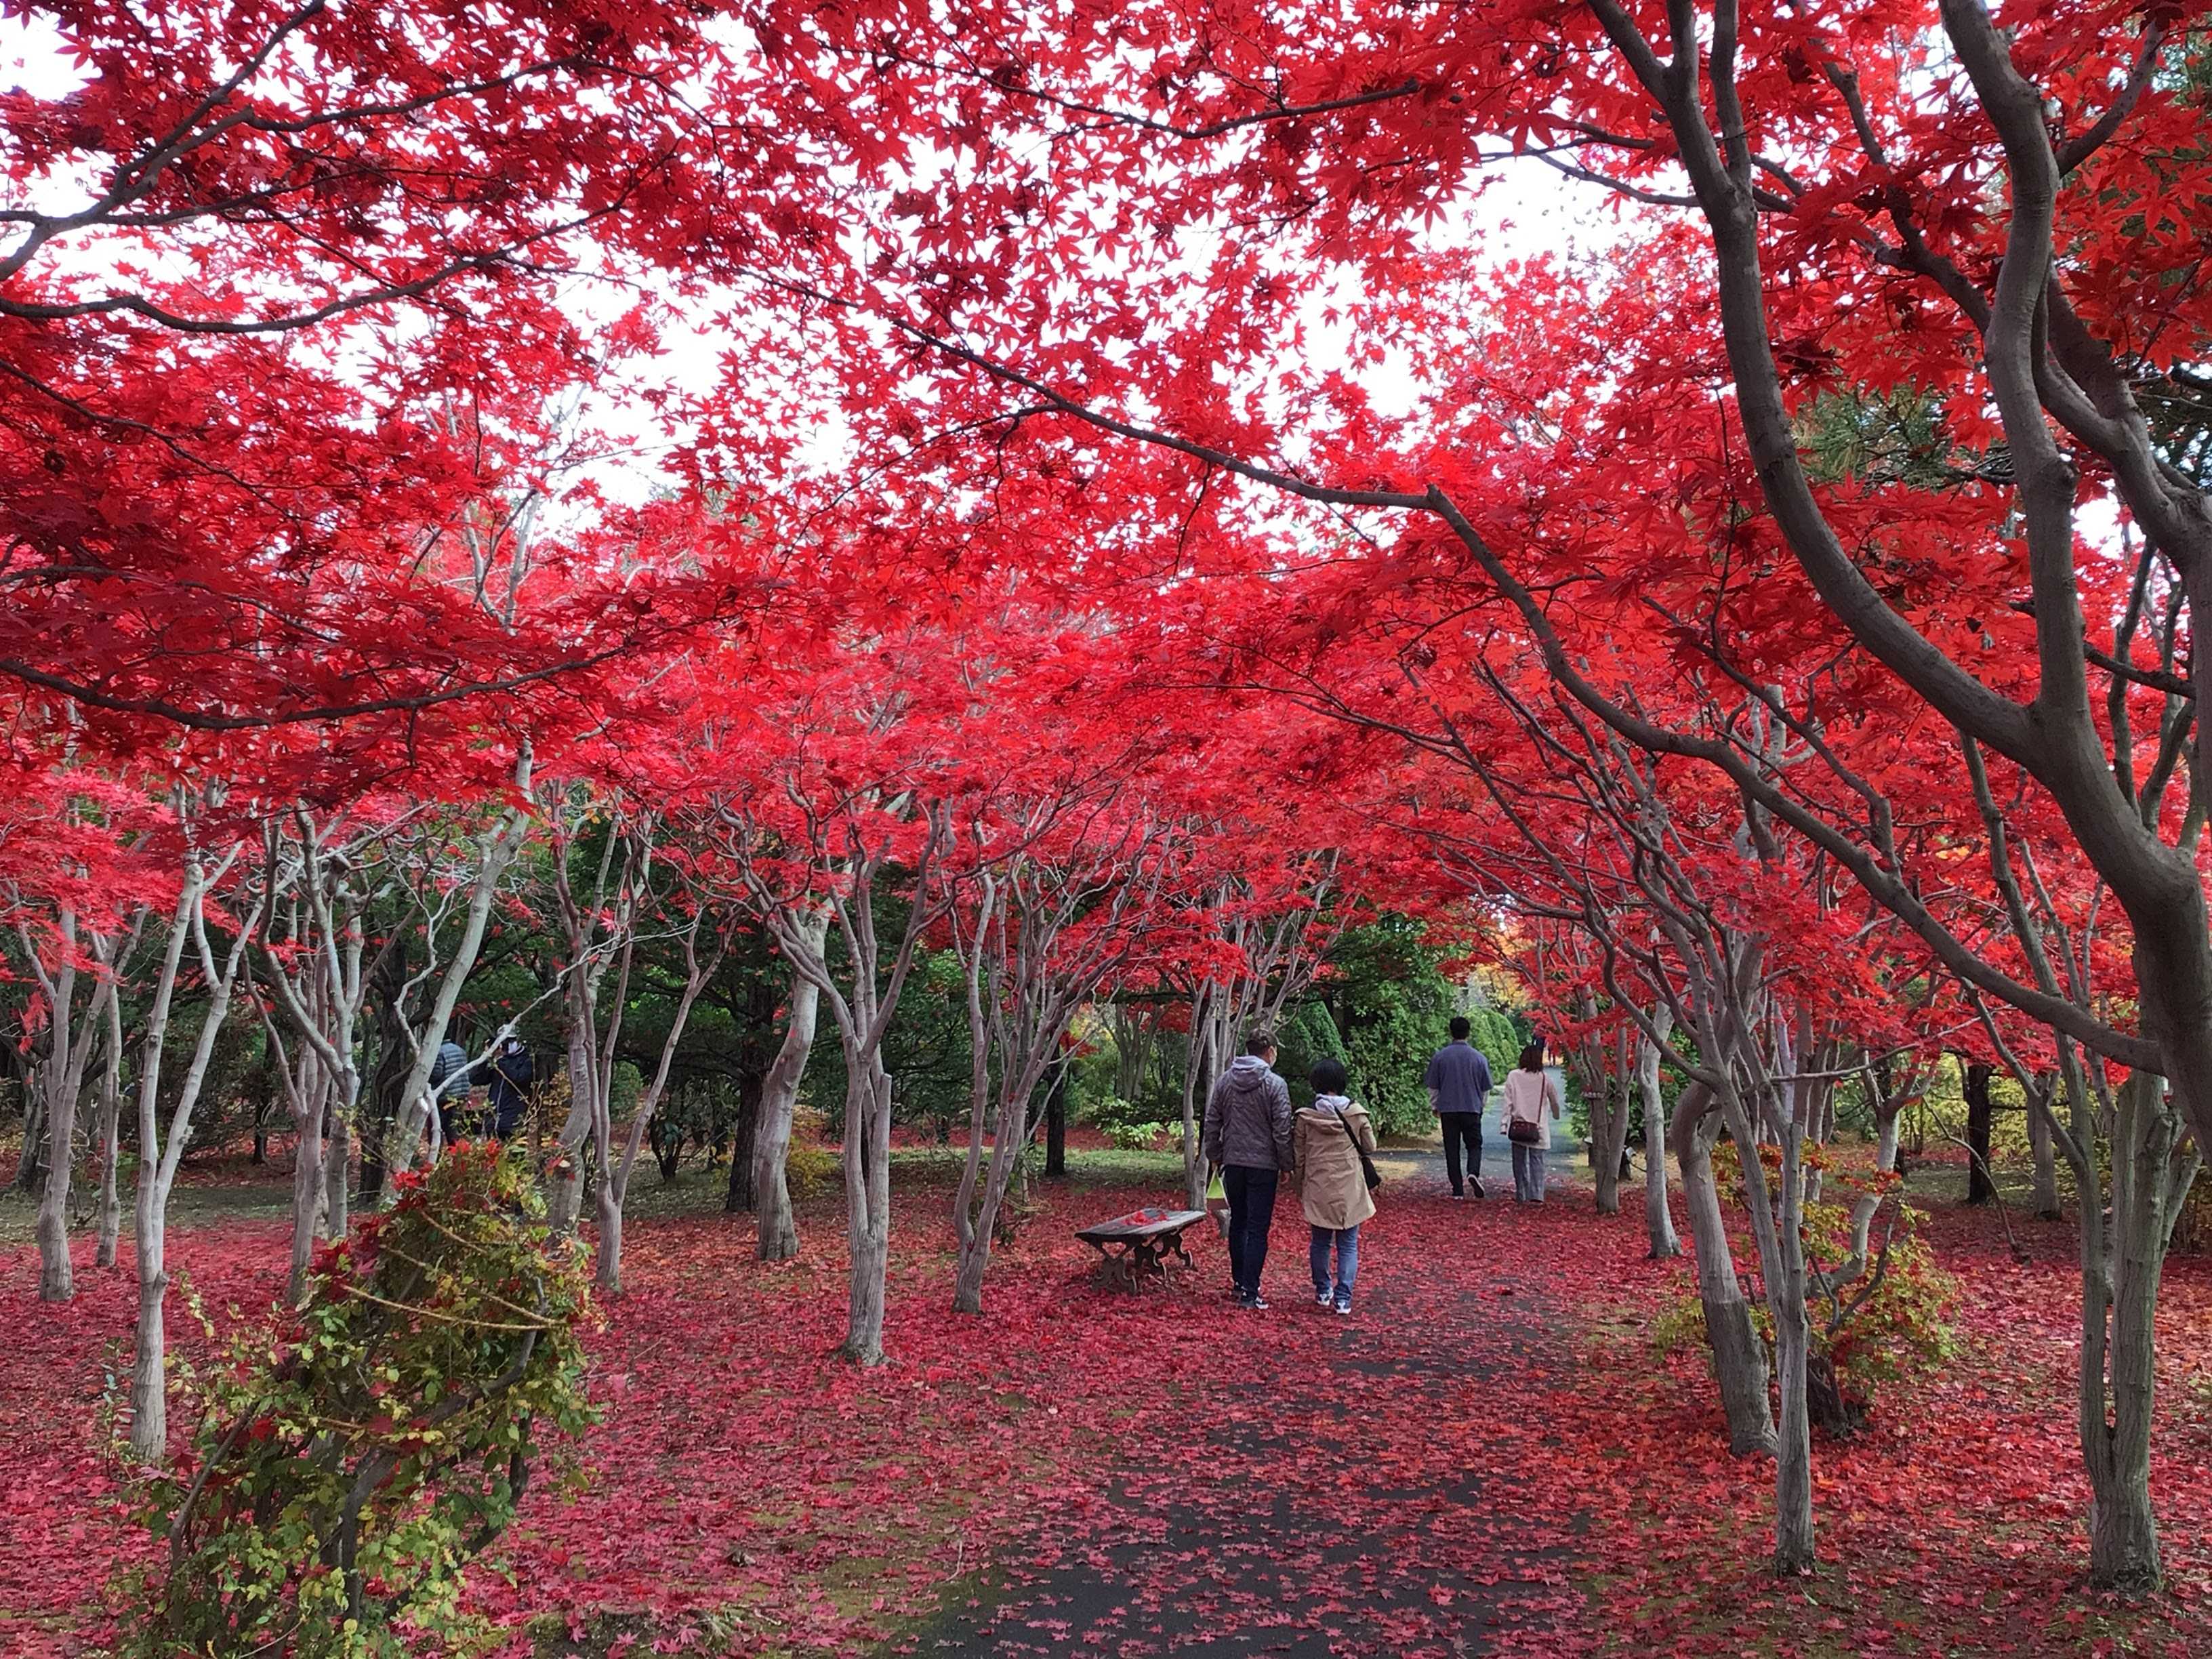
x=1459, y=1087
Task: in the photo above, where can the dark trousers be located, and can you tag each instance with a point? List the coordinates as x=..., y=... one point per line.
x=1251, y=1194
x=1462, y=1127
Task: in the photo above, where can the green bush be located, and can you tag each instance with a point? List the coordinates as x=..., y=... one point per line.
x=1111, y=1112
x=350, y=1464
x=1139, y=1137
x=1898, y=1327
x=1393, y=1006
x=809, y=1169
x=1309, y=1035
x=1494, y=1032
x=1904, y=1328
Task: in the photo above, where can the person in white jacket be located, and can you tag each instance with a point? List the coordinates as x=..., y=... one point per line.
x=1530, y=1089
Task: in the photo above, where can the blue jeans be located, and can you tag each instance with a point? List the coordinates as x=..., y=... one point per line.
x=1346, y=1241
x=1528, y=1173
x=1251, y=1194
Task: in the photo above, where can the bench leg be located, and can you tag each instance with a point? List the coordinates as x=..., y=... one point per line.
x=1175, y=1244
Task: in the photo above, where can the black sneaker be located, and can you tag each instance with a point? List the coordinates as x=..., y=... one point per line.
x=1257, y=1303
x=1477, y=1185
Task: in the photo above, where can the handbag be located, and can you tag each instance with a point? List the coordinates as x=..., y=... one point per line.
x=1530, y=1132
x=1366, y=1163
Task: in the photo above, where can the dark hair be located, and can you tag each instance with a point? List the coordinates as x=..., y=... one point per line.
x=1532, y=1057
x=1327, y=1077
x=1460, y=1028
x=1259, y=1041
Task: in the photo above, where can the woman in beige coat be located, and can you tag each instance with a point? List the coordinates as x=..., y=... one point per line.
x=1326, y=1140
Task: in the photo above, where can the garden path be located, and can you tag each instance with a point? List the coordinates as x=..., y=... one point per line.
x=1369, y=1486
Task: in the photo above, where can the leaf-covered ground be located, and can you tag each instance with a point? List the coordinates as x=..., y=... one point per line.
x=1488, y=1457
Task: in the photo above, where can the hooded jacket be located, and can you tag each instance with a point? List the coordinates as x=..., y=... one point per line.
x=1331, y=1133
x=1247, y=1117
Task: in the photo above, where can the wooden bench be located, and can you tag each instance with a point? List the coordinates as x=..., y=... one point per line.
x=1138, y=1246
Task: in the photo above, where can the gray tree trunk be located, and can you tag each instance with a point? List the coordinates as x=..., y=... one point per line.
x=1658, y=1220
x=2045, y=1147
x=307, y=1180
x=777, y=1238
x=157, y=1161
x=337, y=1168
x=867, y=1202
x=1739, y=1357
x=61, y=1076
x=1609, y=1147
x=111, y=1138
x=2119, y=1357
x=1793, y=1548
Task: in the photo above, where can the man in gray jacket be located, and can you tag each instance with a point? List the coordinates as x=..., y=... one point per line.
x=1248, y=1137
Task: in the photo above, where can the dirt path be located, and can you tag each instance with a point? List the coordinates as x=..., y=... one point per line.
x=1373, y=1485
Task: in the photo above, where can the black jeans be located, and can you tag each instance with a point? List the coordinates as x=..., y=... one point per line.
x=1251, y=1194
x=1462, y=1127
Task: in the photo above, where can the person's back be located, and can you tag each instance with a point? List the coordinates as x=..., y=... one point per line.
x=513, y=1071
x=449, y=1069
x=1458, y=1082
x=1532, y=1105
x=1247, y=1136
x=1326, y=1144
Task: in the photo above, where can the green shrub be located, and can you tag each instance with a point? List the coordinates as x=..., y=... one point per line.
x=352, y=1462
x=1111, y=1112
x=1392, y=1005
x=809, y=1169
x=1492, y=1031
x=1309, y=1035
x=1140, y=1136
x=1902, y=1329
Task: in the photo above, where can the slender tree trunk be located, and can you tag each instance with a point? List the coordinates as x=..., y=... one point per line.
x=566, y=1201
x=777, y=1233
x=1793, y=1545
x=972, y=1256
x=149, y=1389
x=338, y=1161
x=1980, y=1188
x=394, y=1059
x=1056, y=1126
x=307, y=1181
x=57, y=1283
x=158, y=1161
x=868, y=1203
x=2118, y=1370
x=1658, y=1220
x=59, y=1080
x=1195, y=1083
x=150, y=1397
x=1610, y=1146
x=111, y=1137
x=1739, y=1357
x=2045, y=1147
x=1819, y=1126
x=495, y=853
x=606, y=1276
x=738, y=1197
x=1885, y=1156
